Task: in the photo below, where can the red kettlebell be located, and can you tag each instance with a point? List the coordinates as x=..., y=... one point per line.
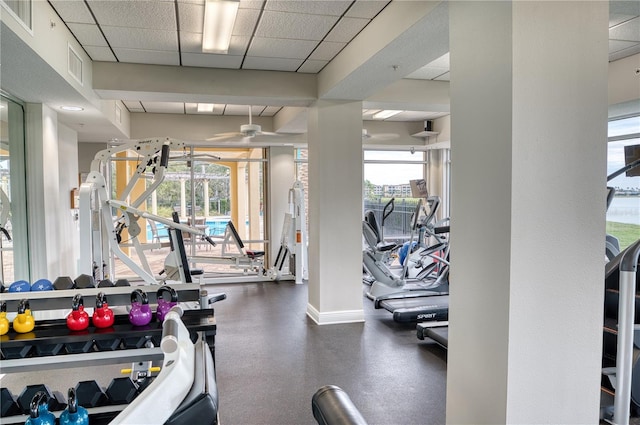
x=140, y=313
x=163, y=305
x=102, y=315
x=78, y=319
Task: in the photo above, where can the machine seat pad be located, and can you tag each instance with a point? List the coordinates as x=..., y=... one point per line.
x=200, y=406
x=386, y=246
x=254, y=254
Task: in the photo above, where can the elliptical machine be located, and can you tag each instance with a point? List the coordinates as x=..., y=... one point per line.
x=377, y=265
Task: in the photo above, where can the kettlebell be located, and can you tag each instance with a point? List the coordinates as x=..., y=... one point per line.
x=24, y=321
x=39, y=410
x=163, y=305
x=140, y=314
x=74, y=414
x=78, y=319
x=102, y=315
x=4, y=322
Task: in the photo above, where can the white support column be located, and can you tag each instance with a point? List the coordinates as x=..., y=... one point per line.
x=43, y=191
x=528, y=145
x=335, y=212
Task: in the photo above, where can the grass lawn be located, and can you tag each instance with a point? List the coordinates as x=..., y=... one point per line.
x=626, y=233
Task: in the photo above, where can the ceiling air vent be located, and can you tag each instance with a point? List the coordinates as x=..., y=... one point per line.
x=75, y=65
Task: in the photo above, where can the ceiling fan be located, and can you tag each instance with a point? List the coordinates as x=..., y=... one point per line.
x=379, y=136
x=248, y=132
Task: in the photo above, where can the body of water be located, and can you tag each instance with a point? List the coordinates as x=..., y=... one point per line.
x=625, y=209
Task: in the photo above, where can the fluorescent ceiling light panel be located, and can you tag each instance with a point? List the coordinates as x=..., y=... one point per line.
x=72, y=108
x=383, y=115
x=205, y=107
x=219, y=19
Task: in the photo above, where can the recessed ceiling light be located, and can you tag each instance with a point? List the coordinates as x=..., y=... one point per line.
x=72, y=108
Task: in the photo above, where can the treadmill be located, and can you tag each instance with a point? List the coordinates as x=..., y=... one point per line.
x=439, y=333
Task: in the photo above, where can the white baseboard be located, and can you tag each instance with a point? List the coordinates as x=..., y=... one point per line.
x=335, y=317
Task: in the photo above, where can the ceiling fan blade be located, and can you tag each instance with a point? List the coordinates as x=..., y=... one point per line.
x=225, y=136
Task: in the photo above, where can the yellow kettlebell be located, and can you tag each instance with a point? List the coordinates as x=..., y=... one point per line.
x=4, y=322
x=24, y=321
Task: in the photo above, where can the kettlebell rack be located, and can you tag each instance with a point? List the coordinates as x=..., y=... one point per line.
x=51, y=345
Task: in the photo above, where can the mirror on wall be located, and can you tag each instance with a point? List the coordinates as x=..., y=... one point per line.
x=14, y=255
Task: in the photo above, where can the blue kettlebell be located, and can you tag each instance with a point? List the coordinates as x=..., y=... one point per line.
x=39, y=410
x=163, y=305
x=20, y=286
x=42, y=285
x=140, y=314
x=74, y=414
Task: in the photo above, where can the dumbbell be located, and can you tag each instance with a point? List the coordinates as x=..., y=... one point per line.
x=90, y=394
x=20, y=286
x=63, y=282
x=10, y=405
x=106, y=283
x=56, y=400
x=42, y=285
x=85, y=281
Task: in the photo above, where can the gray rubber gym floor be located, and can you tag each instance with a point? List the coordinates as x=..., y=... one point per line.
x=271, y=358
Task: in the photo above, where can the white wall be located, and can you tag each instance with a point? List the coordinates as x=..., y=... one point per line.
x=69, y=244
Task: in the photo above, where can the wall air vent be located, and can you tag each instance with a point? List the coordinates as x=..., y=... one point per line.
x=74, y=65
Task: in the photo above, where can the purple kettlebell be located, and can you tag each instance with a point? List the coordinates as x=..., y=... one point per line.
x=140, y=314
x=163, y=305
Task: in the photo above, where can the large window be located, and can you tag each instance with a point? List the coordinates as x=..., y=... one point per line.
x=387, y=175
x=623, y=214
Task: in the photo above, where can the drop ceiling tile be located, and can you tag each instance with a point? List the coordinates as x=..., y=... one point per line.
x=207, y=60
x=346, y=29
x=73, y=11
x=629, y=30
x=327, y=50
x=294, y=25
x=615, y=19
x=192, y=1
x=270, y=111
x=246, y=22
x=441, y=62
x=133, y=105
x=256, y=110
x=155, y=57
x=191, y=17
x=617, y=45
x=366, y=8
x=274, y=64
x=427, y=73
x=98, y=53
x=251, y=4
x=443, y=77
x=139, y=38
x=140, y=13
x=191, y=42
x=312, y=66
x=625, y=53
x=281, y=48
x=87, y=34
x=164, y=107
x=312, y=7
